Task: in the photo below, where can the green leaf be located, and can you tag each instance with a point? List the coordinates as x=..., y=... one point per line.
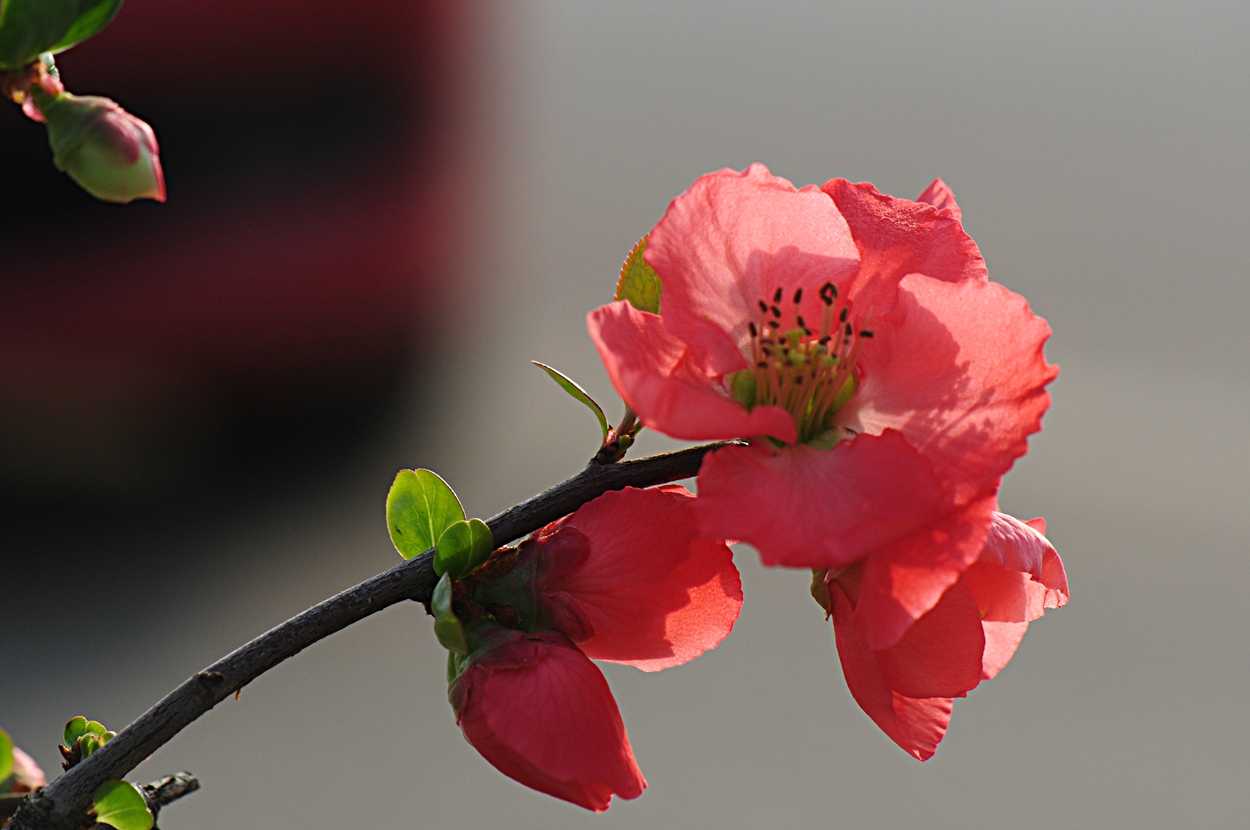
x=419, y=508
x=120, y=804
x=31, y=27
x=639, y=283
x=93, y=16
x=75, y=728
x=577, y=393
x=447, y=627
x=463, y=546
x=6, y=755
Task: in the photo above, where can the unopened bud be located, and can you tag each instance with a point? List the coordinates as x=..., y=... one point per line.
x=110, y=153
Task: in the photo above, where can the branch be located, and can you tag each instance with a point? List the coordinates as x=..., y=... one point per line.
x=61, y=805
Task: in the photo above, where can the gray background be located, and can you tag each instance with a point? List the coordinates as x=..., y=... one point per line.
x=1099, y=152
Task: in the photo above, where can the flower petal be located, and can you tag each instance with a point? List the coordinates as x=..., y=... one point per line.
x=541, y=713
x=917, y=725
x=958, y=369
x=1017, y=577
x=812, y=508
x=940, y=654
x=733, y=239
x=905, y=578
x=668, y=384
x=650, y=593
x=940, y=195
x=897, y=237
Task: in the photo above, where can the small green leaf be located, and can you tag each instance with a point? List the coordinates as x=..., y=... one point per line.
x=577, y=393
x=639, y=283
x=75, y=728
x=6, y=755
x=419, y=507
x=447, y=627
x=120, y=804
x=93, y=16
x=463, y=546
x=30, y=27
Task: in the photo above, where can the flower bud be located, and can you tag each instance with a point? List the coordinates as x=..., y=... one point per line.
x=110, y=153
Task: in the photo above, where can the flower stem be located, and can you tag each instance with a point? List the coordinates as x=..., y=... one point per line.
x=62, y=804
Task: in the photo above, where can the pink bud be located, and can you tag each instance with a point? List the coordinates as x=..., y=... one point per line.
x=109, y=152
x=27, y=776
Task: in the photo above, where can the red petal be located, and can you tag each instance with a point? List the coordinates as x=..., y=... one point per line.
x=1018, y=576
x=542, y=714
x=668, y=384
x=939, y=194
x=915, y=724
x=650, y=593
x=897, y=237
x=733, y=239
x=940, y=655
x=904, y=579
x=958, y=369
x=805, y=507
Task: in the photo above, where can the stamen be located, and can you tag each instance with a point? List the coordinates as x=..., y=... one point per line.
x=777, y=295
x=763, y=307
x=828, y=293
x=798, y=295
x=865, y=333
x=754, y=331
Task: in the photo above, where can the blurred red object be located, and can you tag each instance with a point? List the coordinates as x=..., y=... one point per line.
x=315, y=154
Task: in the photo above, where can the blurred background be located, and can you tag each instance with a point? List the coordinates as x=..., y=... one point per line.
x=378, y=212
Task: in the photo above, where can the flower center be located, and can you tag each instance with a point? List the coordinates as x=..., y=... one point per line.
x=809, y=373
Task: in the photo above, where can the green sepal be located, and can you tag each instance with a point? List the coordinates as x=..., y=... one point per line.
x=456, y=664
x=75, y=728
x=31, y=27
x=447, y=627
x=639, y=283
x=121, y=804
x=463, y=546
x=6, y=756
x=577, y=393
x=419, y=507
x=514, y=589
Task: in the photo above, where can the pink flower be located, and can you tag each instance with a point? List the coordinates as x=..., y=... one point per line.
x=885, y=383
x=626, y=578
x=969, y=636
x=26, y=776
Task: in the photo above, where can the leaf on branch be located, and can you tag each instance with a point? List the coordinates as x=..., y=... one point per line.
x=463, y=546
x=121, y=804
x=419, y=508
x=31, y=27
x=577, y=393
x=639, y=283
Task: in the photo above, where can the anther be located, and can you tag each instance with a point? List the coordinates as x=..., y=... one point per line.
x=828, y=293
x=824, y=341
x=842, y=316
x=799, y=319
x=777, y=295
x=763, y=364
x=776, y=312
x=849, y=331
x=865, y=333
x=763, y=307
x=798, y=295
x=754, y=331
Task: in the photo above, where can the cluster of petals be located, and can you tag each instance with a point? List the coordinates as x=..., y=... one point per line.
x=969, y=636
x=888, y=385
x=628, y=579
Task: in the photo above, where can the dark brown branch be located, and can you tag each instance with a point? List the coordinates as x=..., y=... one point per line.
x=60, y=805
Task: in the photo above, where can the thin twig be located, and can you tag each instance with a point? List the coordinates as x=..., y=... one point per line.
x=61, y=805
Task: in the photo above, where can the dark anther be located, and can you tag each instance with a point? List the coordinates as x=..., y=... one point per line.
x=824, y=341
x=777, y=295
x=776, y=312
x=849, y=331
x=842, y=316
x=799, y=319
x=754, y=331
x=763, y=364
x=865, y=333
x=773, y=324
x=798, y=296
x=828, y=293
x=808, y=331
x=763, y=307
